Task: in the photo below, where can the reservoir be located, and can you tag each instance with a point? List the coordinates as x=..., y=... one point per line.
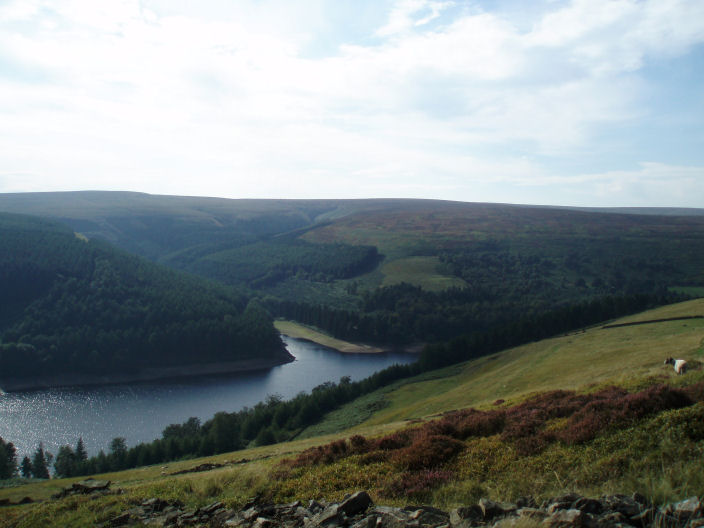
x=139, y=412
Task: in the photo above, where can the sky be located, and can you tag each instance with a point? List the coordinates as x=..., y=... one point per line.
x=583, y=102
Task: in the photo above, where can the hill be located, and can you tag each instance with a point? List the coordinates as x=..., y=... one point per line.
x=75, y=310
x=394, y=272
x=605, y=413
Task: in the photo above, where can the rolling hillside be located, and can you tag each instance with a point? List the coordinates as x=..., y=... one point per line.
x=80, y=308
x=394, y=272
x=654, y=448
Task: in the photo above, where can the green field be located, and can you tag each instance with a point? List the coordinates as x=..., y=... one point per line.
x=658, y=455
x=419, y=271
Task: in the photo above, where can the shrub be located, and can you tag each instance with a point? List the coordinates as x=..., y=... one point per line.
x=428, y=452
x=695, y=391
x=418, y=484
x=585, y=416
x=615, y=407
x=394, y=441
x=477, y=423
x=359, y=444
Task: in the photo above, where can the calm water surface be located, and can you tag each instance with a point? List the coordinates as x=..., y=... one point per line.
x=139, y=412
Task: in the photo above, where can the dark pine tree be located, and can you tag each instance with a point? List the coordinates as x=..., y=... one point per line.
x=39, y=463
x=81, y=453
x=8, y=460
x=26, y=467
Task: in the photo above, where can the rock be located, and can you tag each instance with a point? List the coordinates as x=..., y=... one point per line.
x=612, y=518
x=526, y=502
x=560, y=518
x=330, y=516
x=211, y=508
x=686, y=509
x=167, y=519
x=622, y=504
x=556, y=506
x=90, y=485
x=263, y=522
x=367, y=522
x=356, y=503
x=428, y=516
x=206, y=466
x=251, y=514
x=120, y=520
x=489, y=509
x=390, y=517
x=532, y=513
x=26, y=500
x=508, y=508
x=154, y=504
x=640, y=499
x=586, y=505
x=644, y=518
x=357, y=511
x=188, y=517
x=465, y=513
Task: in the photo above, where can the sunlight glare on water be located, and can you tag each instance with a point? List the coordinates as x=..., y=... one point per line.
x=139, y=412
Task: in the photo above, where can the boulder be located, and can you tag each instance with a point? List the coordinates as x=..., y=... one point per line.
x=427, y=516
x=356, y=503
x=388, y=517
x=622, y=504
x=587, y=505
x=532, y=513
x=330, y=516
x=490, y=509
x=367, y=522
x=465, y=514
x=90, y=486
x=686, y=509
x=565, y=518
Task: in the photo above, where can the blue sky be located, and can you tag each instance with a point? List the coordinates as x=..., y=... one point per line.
x=584, y=102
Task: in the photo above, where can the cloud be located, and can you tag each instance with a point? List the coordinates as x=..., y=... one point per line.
x=408, y=14
x=220, y=99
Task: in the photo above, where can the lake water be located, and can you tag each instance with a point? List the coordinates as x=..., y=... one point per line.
x=139, y=412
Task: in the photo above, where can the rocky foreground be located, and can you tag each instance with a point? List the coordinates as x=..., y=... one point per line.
x=358, y=511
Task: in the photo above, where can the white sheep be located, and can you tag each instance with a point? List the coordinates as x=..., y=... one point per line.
x=680, y=365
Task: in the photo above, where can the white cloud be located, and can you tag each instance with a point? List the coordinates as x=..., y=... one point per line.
x=408, y=14
x=220, y=100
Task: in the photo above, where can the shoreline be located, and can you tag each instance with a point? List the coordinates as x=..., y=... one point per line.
x=306, y=333
x=144, y=375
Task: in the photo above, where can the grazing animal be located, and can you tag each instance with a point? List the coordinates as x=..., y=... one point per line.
x=680, y=365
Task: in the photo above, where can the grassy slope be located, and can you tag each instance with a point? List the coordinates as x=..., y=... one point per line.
x=627, y=355
x=419, y=271
x=595, y=357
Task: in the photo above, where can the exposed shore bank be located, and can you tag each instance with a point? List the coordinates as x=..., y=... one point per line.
x=300, y=331
x=146, y=374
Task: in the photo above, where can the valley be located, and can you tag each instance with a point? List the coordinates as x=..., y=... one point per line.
x=518, y=318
